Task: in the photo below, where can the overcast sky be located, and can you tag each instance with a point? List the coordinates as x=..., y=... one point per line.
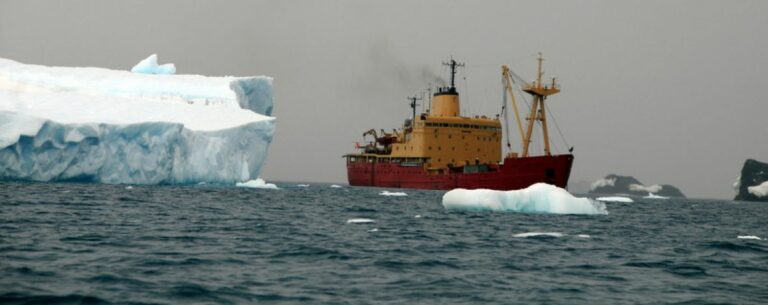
x=666, y=91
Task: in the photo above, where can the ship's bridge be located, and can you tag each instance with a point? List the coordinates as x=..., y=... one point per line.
x=451, y=141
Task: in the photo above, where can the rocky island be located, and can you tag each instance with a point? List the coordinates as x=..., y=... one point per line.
x=753, y=183
x=615, y=184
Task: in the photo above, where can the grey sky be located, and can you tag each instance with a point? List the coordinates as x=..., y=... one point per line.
x=665, y=91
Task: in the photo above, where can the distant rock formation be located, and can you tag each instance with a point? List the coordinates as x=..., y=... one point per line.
x=615, y=184
x=753, y=184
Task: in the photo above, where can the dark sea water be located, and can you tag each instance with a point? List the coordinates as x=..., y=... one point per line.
x=64, y=243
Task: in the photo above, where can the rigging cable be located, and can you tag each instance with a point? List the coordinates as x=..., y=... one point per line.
x=552, y=114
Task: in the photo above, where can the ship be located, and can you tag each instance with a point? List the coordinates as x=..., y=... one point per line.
x=442, y=149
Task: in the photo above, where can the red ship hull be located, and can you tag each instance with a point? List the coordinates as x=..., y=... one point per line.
x=512, y=174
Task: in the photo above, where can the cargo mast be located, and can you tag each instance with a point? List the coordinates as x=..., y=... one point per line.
x=540, y=92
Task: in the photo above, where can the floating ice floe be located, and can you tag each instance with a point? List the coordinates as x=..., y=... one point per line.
x=537, y=198
x=654, y=196
x=535, y=234
x=748, y=237
x=760, y=190
x=374, y=230
x=258, y=183
x=129, y=187
x=336, y=186
x=360, y=220
x=388, y=193
x=101, y=125
x=302, y=185
x=583, y=236
x=615, y=199
x=417, y=216
x=149, y=66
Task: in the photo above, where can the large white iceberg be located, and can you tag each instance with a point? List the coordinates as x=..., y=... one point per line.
x=94, y=124
x=537, y=198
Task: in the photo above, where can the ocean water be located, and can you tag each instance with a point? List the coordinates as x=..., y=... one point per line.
x=65, y=243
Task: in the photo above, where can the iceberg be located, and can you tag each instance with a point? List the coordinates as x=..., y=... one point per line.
x=654, y=196
x=150, y=66
x=538, y=234
x=397, y=194
x=100, y=125
x=615, y=199
x=537, y=198
x=360, y=220
x=258, y=184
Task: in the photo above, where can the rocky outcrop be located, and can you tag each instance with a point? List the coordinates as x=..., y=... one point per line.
x=753, y=184
x=628, y=185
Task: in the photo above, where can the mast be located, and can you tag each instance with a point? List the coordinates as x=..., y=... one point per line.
x=453, y=64
x=538, y=112
x=413, y=105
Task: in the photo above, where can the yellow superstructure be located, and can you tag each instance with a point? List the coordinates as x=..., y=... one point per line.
x=443, y=138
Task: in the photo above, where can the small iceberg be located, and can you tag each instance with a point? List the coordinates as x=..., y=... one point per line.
x=654, y=196
x=537, y=198
x=302, y=185
x=615, y=199
x=149, y=66
x=129, y=187
x=583, y=236
x=336, y=186
x=388, y=193
x=748, y=237
x=536, y=234
x=360, y=220
x=258, y=183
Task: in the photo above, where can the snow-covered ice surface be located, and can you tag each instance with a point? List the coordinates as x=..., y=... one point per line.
x=760, y=190
x=94, y=124
x=615, y=199
x=537, y=198
x=642, y=188
x=258, y=184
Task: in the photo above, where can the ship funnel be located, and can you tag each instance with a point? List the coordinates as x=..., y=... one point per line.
x=446, y=99
x=445, y=103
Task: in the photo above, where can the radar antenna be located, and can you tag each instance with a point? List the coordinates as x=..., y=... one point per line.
x=413, y=105
x=453, y=64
